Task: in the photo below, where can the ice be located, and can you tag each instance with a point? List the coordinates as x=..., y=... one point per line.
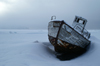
x=32, y=48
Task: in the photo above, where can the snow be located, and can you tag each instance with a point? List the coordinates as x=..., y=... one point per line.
x=32, y=48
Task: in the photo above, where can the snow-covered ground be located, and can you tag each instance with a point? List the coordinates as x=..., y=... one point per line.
x=32, y=48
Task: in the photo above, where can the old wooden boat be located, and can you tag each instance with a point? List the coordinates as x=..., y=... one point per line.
x=69, y=39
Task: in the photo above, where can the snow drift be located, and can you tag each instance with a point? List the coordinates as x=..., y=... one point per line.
x=32, y=48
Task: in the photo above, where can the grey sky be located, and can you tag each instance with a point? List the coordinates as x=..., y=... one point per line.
x=35, y=14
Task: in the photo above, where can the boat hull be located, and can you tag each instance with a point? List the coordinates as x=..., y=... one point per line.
x=67, y=42
x=66, y=47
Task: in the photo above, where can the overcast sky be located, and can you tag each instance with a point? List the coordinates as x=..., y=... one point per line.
x=35, y=14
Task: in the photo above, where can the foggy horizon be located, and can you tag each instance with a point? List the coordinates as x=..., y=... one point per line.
x=36, y=14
